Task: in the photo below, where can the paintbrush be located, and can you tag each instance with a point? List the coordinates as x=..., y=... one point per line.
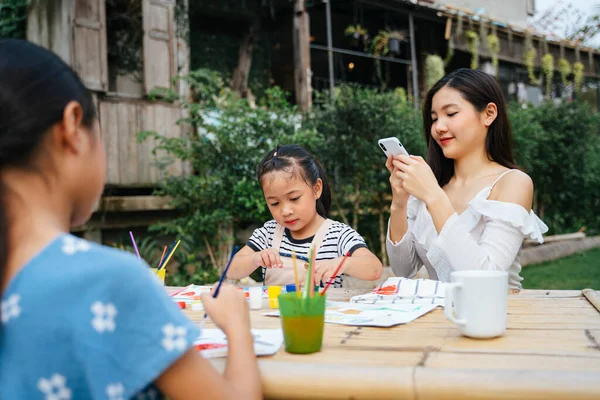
x=223, y=275
x=335, y=273
x=134, y=245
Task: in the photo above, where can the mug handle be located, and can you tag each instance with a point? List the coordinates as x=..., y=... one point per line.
x=448, y=306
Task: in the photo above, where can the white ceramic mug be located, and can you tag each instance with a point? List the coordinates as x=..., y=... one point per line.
x=479, y=299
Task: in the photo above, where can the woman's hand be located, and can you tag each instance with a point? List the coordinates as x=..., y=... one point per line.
x=417, y=178
x=399, y=194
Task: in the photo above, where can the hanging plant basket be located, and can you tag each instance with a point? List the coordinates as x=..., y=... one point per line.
x=388, y=42
x=529, y=57
x=578, y=68
x=358, y=37
x=355, y=40
x=394, y=46
x=394, y=39
x=494, y=48
x=548, y=70
x=473, y=46
x=564, y=68
x=434, y=70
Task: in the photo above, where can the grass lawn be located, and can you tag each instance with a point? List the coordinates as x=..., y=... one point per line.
x=577, y=271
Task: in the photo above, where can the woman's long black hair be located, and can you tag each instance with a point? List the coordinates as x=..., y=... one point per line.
x=479, y=89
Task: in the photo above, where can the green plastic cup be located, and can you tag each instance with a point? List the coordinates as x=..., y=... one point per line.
x=302, y=322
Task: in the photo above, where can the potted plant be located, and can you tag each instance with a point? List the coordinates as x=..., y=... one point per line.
x=379, y=45
x=358, y=34
x=387, y=42
x=578, y=75
x=434, y=70
x=473, y=46
x=564, y=68
x=394, y=39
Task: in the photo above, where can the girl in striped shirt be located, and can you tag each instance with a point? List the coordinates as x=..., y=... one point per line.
x=299, y=199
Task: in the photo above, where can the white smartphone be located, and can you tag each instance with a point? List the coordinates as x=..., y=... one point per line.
x=392, y=146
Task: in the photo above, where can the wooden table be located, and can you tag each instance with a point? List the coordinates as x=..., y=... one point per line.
x=551, y=350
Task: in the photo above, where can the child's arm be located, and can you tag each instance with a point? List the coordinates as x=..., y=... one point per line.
x=362, y=264
x=194, y=377
x=247, y=260
x=257, y=253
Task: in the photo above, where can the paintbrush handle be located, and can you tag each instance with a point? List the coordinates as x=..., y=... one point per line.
x=337, y=270
x=224, y=274
x=235, y=248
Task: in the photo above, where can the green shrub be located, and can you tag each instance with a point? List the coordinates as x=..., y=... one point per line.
x=557, y=144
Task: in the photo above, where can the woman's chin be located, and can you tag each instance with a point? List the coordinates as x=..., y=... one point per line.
x=450, y=153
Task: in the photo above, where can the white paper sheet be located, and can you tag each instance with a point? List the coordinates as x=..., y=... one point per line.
x=405, y=291
x=212, y=343
x=377, y=315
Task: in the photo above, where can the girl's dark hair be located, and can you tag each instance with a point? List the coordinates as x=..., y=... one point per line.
x=479, y=89
x=35, y=87
x=291, y=156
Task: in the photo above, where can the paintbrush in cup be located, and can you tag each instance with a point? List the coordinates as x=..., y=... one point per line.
x=135, y=245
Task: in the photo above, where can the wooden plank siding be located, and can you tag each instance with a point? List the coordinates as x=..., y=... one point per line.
x=159, y=43
x=49, y=25
x=130, y=163
x=76, y=31
x=89, y=56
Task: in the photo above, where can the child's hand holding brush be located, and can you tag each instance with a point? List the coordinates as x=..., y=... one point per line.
x=228, y=310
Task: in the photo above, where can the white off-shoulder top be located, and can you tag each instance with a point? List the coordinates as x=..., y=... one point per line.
x=488, y=235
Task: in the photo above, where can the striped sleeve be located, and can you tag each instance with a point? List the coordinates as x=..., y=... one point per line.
x=349, y=240
x=262, y=237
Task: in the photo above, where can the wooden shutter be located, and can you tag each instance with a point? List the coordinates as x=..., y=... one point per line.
x=89, y=57
x=159, y=43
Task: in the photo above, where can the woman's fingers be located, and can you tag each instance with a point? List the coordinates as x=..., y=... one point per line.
x=412, y=160
x=388, y=163
x=402, y=176
x=405, y=159
x=399, y=165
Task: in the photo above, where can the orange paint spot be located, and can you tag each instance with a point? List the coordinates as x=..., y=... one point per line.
x=392, y=289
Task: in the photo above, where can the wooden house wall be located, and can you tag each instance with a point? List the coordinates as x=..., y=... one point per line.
x=76, y=31
x=129, y=162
